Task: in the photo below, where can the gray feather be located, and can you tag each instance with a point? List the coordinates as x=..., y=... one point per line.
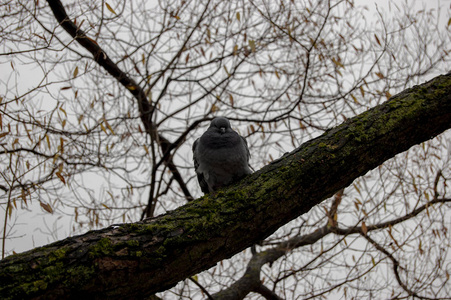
x=221, y=156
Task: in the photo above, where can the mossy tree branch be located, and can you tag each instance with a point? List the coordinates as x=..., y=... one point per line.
x=130, y=261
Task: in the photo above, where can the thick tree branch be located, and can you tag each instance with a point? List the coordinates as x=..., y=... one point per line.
x=127, y=261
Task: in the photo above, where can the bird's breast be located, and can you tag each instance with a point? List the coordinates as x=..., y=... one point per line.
x=218, y=141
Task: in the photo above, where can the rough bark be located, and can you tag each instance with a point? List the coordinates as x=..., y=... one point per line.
x=131, y=261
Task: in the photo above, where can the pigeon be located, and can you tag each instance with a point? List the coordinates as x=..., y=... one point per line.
x=221, y=156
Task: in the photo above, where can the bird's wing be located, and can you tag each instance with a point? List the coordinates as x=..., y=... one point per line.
x=200, y=176
x=247, y=152
x=247, y=148
x=196, y=163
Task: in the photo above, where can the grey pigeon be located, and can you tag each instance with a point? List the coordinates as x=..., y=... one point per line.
x=221, y=156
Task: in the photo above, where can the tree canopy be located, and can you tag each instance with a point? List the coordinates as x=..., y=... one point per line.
x=103, y=101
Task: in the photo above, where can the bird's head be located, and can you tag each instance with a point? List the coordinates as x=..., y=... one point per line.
x=220, y=125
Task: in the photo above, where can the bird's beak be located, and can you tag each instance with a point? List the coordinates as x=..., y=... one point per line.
x=223, y=129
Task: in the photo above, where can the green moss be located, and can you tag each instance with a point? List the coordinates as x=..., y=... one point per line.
x=159, y=253
x=101, y=248
x=14, y=268
x=57, y=254
x=131, y=227
x=220, y=194
x=240, y=195
x=39, y=285
x=132, y=243
x=157, y=227
x=53, y=271
x=79, y=274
